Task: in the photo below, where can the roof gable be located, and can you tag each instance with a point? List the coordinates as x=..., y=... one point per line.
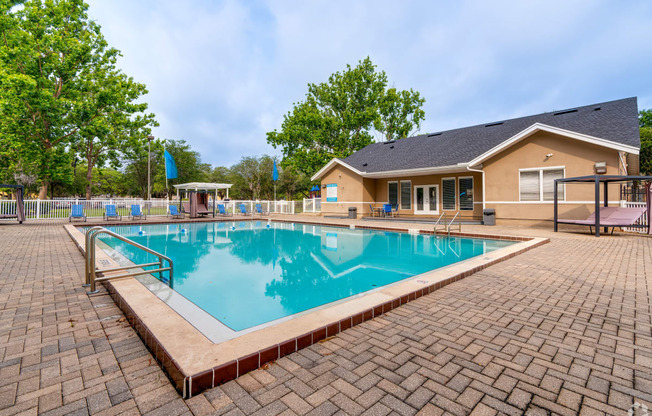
x=612, y=124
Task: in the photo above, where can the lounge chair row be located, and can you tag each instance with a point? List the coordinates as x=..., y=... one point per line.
x=110, y=212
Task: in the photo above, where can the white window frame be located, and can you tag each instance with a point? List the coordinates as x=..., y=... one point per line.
x=400, y=193
x=455, y=196
x=541, y=170
x=459, y=204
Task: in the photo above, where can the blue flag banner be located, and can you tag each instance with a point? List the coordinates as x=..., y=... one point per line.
x=275, y=172
x=170, y=166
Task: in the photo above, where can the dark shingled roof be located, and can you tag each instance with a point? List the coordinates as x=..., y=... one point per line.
x=616, y=121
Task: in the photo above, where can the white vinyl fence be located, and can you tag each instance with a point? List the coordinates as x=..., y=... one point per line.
x=641, y=221
x=39, y=209
x=312, y=205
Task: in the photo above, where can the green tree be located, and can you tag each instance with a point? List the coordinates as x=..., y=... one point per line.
x=122, y=124
x=338, y=117
x=645, y=155
x=59, y=87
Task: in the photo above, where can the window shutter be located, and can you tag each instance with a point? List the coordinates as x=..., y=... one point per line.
x=393, y=193
x=530, y=186
x=448, y=191
x=466, y=194
x=406, y=195
x=549, y=177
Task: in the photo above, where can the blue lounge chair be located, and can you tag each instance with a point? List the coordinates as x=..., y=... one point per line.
x=174, y=212
x=243, y=209
x=77, y=211
x=110, y=212
x=221, y=209
x=136, y=212
x=259, y=210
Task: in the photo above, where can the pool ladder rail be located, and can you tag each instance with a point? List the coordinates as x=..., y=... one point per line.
x=92, y=271
x=447, y=225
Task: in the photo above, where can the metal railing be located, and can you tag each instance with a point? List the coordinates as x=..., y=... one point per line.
x=92, y=271
x=641, y=221
x=443, y=216
x=447, y=225
x=40, y=209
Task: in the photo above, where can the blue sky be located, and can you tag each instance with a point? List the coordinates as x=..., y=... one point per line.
x=221, y=74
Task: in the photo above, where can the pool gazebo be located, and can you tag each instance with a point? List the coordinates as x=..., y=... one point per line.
x=605, y=180
x=197, y=193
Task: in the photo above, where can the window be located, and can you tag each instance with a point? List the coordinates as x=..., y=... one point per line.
x=392, y=193
x=539, y=184
x=448, y=190
x=406, y=194
x=466, y=194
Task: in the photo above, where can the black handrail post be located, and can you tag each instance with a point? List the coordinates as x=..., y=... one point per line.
x=606, y=200
x=555, y=193
x=597, y=206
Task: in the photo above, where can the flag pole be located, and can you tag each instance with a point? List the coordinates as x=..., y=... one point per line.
x=167, y=190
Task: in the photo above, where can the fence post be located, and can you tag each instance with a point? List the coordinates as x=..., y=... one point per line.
x=38, y=209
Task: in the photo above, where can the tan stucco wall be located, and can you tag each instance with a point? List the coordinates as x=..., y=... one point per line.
x=382, y=190
x=578, y=159
x=352, y=191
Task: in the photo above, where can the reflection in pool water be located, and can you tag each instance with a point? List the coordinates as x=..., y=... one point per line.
x=247, y=273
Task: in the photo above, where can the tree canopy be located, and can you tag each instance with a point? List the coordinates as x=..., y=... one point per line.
x=341, y=116
x=645, y=155
x=60, y=90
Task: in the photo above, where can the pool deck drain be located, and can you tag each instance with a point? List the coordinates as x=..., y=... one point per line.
x=194, y=363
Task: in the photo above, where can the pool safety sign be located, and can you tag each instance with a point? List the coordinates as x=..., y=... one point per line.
x=331, y=192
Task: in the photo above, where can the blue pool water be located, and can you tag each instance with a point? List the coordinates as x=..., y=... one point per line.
x=249, y=273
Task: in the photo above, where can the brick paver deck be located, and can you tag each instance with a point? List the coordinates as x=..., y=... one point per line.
x=563, y=329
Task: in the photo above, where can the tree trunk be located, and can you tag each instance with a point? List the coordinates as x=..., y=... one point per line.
x=89, y=178
x=43, y=192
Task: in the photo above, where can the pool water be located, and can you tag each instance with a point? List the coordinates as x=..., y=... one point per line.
x=248, y=273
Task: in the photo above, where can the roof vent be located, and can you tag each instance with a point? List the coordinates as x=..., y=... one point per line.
x=574, y=110
x=435, y=134
x=391, y=147
x=597, y=108
x=391, y=141
x=364, y=164
x=494, y=124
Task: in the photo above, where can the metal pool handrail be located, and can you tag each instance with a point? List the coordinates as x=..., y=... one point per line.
x=92, y=271
x=459, y=219
x=444, y=216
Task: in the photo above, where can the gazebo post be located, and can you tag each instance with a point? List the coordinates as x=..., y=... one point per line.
x=597, y=206
x=606, y=200
x=555, y=193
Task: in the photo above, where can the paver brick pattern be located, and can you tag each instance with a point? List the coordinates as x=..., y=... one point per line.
x=563, y=329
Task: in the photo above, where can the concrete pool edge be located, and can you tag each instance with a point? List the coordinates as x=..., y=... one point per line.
x=193, y=363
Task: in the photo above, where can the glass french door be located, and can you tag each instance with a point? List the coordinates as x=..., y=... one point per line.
x=426, y=199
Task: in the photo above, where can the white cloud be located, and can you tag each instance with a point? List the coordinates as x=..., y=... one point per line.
x=222, y=74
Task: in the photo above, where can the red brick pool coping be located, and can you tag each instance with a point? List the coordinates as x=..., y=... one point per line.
x=191, y=383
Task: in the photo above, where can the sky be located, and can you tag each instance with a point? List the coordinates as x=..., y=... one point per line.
x=221, y=74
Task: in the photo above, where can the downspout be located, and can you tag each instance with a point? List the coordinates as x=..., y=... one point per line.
x=484, y=203
x=623, y=163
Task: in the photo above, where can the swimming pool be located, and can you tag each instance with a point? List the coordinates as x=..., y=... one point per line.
x=250, y=273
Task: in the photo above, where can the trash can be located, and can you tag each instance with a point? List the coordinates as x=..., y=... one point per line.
x=489, y=216
x=353, y=212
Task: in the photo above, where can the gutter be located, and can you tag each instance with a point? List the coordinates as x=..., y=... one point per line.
x=484, y=203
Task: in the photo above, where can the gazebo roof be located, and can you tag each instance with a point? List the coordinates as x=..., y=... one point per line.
x=201, y=186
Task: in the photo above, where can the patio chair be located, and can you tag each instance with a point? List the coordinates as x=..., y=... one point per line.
x=610, y=217
x=135, y=211
x=259, y=210
x=221, y=210
x=374, y=210
x=77, y=212
x=243, y=209
x=387, y=210
x=110, y=212
x=174, y=212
